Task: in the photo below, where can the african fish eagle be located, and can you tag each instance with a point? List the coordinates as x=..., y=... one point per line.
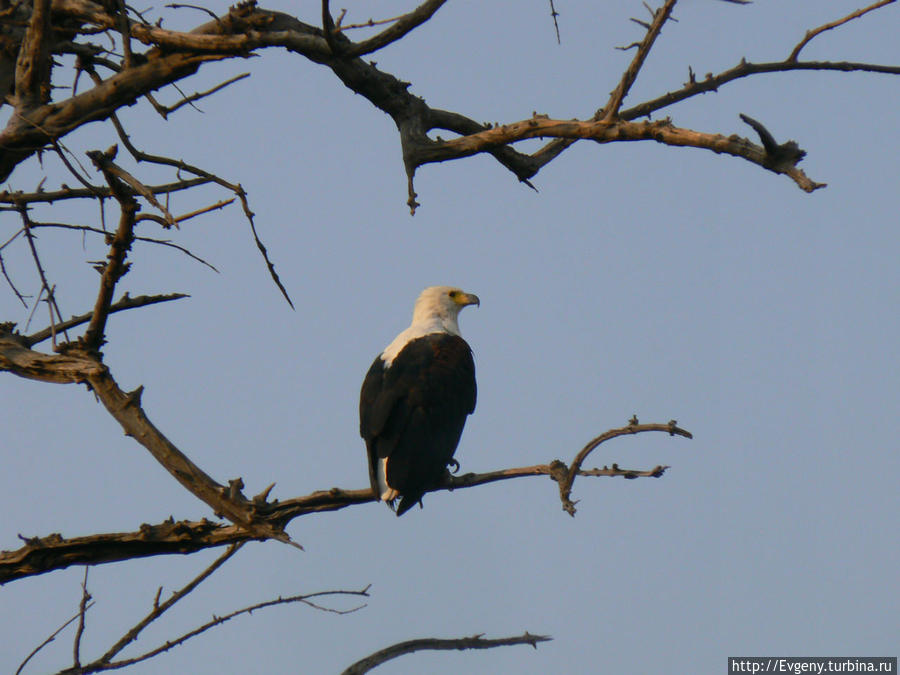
x=415, y=400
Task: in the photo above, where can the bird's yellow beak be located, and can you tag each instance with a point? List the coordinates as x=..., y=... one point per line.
x=465, y=299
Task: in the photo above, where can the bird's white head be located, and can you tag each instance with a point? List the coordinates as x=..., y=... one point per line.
x=442, y=305
x=436, y=311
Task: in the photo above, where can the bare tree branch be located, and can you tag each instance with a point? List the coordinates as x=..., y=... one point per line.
x=115, y=267
x=102, y=193
x=555, y=16
x=400, y=28
x=237, y=189
x=660, y=16
x=45, y=285
x=161, y=608
x=603, y=131
x=746, y=69
x=126, y=302
x=82, y=612
x=810, y=34
x=126, y=409
x=165, y=111
x=247, y=28
x=50, y=639
x=158, y=610
x=32, y=84
x=306, y=599
x=461, y=644
x=64, y=368
x=565, y=485
x=41, y=555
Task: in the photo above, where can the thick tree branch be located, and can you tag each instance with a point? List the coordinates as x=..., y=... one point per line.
x=40, y=555
x=461, y=644
x=603, y=131
x=25, y=134
x=64, y=368
x=32, y=83
x=126, y=409
x=46, y=554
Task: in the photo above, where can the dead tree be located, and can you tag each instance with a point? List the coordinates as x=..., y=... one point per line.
x=113, y=56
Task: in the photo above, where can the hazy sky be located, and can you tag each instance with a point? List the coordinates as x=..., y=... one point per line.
x=640, y=279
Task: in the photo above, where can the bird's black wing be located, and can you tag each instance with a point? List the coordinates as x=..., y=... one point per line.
x=414, y=411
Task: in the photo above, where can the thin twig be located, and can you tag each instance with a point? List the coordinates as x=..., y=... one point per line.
x=45, y=286
x=82, y=612
x=196, y=96
x=198, y=8
x=555, y=15
x=9, y=280
x=365, y=24
x=237, y=189
x=151, y=240
x=161, y=608
x=50, y=639
x=216, y=621
x=810, y=34
x=186, y=216
x=126, y=302
x=93, y=192
x=61, y=150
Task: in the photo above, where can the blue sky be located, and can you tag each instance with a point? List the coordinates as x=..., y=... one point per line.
x=640, y=279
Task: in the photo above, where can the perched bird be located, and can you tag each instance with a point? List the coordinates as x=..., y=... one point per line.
x=415, y=400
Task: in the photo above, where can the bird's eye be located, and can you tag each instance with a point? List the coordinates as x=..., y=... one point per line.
x=453, y=294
